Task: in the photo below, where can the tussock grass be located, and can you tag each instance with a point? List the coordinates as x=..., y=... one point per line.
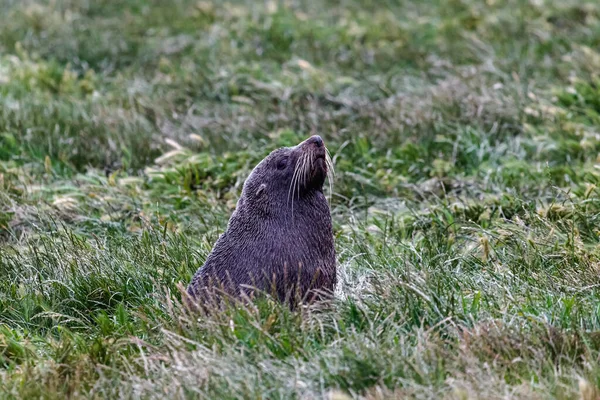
x=465, y=206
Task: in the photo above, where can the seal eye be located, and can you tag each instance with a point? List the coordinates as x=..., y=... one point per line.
x=281, y=164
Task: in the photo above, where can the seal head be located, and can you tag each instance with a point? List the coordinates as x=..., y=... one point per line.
x=279, y=239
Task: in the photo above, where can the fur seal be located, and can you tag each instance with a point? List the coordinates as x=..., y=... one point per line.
x=279, y=239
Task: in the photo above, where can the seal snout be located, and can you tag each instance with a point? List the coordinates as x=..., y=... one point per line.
x=312, y=164
x=315, y=146
x=315, y=140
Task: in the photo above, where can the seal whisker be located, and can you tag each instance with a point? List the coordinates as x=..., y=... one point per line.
x=307, y=168
x=329, y=161
x=310, y=168
x=292, y=188
x=330, y=173
x=300, y=171
x=302, y=174
x=292, y=183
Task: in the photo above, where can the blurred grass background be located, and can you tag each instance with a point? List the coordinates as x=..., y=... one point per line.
x=466, y=143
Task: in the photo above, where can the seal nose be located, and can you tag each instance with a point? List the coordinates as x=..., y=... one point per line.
x=316, y=140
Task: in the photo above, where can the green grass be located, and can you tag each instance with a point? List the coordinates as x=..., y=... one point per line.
x=466, y=202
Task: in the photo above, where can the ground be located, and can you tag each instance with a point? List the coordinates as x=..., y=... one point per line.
x=465, y=136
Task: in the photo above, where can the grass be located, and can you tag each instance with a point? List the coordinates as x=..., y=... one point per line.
x=466, y=203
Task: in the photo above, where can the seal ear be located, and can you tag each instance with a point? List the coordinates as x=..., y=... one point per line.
x=261, y=189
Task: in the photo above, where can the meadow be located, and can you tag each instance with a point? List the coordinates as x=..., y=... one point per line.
x=466, y=199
